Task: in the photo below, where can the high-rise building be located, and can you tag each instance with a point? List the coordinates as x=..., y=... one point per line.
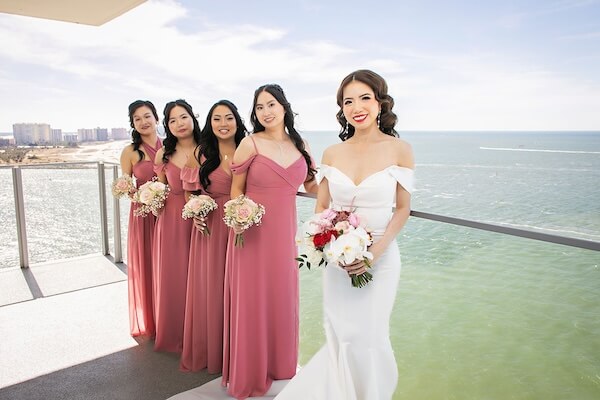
x=70, y=137
x=119, y=133
x=25, y=133
x=101, y=134
x=86, y=135
x=56, y=136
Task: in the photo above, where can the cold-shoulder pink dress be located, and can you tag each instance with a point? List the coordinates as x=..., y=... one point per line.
x=261, y=283
x=203, y=327
x=171, y=250
x=139, y=254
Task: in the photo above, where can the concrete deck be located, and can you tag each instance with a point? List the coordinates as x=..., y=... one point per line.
x=64, y=334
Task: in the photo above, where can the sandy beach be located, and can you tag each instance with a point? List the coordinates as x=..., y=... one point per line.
x=92, y=151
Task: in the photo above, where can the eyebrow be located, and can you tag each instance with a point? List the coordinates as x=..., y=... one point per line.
x=226, y=115
x=361, y=95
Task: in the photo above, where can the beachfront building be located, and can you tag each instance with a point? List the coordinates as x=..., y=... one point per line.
x=101, y=134
x=28, y=133
x=56, y=136
x=70, y=137
x=119, y=133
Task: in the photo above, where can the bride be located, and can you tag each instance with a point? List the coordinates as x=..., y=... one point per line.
x=370, y=172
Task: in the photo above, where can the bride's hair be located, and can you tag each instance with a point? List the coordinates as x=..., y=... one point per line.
x=387, y=118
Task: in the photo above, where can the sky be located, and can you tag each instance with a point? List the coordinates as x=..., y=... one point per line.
x=459, y=65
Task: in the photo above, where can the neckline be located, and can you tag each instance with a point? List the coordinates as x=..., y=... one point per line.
x=279, y=165
x=366, y=178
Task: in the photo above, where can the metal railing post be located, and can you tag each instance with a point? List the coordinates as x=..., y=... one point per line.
x=117, y=221
x=103, y=212
x=20, y=214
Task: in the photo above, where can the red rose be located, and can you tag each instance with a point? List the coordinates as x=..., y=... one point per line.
x=321, y=239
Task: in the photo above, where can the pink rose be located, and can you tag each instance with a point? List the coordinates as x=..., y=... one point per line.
x=244, y=211
x=328, y=214
x=146, y=197
x=354, y=220
x=342, y=226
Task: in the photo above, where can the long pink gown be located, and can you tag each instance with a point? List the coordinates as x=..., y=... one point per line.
x=171, y=249
x=261, y=283
x=139, y=254
x=203, y=328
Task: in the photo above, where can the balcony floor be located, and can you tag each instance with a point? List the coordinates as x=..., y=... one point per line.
x=64, y=334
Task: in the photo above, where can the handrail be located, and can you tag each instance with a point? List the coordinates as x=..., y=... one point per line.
x=57, y=164
x=20, y=210
x=544, y=237
x=22, y=235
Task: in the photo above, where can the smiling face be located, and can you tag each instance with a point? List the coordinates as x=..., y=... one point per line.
x=180, y=122
x=269, y=112
x=359, y=105
x=223, y=122
x=144, y=121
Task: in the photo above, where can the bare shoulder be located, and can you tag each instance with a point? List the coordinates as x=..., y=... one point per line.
x=127, y=150
x=403, y=151
x=159, y=155
x=331, y=152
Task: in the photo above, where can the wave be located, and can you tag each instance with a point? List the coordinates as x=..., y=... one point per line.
x=539, y=150
x=591, y=236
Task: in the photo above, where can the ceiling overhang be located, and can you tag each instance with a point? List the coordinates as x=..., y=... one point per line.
x=88, y=12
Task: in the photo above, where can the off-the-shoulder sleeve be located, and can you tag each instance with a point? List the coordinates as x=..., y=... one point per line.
x=160, y=168
x=324, y=171
x=404, y=176
x=242, y=167
x=190, y=179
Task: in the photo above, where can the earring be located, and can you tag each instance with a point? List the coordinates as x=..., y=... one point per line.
x=379, y=119
x=346, y=129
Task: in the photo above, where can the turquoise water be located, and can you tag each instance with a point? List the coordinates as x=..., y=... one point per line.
x=478, y=315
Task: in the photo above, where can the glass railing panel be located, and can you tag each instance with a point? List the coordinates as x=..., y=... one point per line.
x=61, y=212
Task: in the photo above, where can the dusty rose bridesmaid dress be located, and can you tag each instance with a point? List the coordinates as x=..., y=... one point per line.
x=139, y=254
x=261, y=283
x=203, y=328
x=171, y=249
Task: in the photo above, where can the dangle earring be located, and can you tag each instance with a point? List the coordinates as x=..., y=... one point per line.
x=379, y=120
x=346, y=129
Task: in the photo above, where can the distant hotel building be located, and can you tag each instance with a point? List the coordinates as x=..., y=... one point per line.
x=56, y=136
x=25, y=134
x=119, y=133
x=70, y=137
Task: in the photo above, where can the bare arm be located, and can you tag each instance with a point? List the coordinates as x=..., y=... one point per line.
x=310, y=186
x=244, y=151
x=323, y=195
x=126, y=165
x=158, y=161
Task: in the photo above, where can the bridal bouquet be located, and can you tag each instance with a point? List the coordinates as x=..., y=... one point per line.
x=150, y=197
x=199, y=206
x=242, y=212
x=123, y=186
x=335, y=237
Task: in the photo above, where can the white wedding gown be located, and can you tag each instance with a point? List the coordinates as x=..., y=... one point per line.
x=357, y=362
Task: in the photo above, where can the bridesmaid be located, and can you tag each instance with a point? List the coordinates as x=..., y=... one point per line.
x=203, y=327
x=261, y=282
x=171, y=246
x=137, y=160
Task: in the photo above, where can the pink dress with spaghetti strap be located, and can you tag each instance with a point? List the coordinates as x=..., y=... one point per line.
x=261, y=283
x=203, y=327
x=171, y=249
x=139, y=254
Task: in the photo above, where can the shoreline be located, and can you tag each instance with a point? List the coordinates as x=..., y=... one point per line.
x=93, y=151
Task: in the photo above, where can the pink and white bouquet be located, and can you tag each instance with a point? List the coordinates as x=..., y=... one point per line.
x=199, y=205
x=123, y=186
x=242, y=212
x=335, y=237
x=150, y=197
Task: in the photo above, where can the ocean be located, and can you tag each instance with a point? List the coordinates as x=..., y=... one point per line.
x=478, y=315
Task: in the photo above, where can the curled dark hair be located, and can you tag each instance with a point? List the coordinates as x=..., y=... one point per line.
x=387, y=118
x=136, y=138
x=170, y=141
x=288, y=120
x=209, y=144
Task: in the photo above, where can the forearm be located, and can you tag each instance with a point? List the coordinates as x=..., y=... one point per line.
x=394, y=227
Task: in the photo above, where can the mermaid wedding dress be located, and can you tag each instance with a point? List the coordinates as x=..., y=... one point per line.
x=357, y=362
